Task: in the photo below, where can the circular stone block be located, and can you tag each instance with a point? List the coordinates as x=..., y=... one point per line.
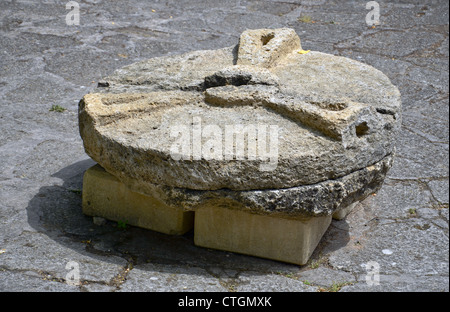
x=263, y=125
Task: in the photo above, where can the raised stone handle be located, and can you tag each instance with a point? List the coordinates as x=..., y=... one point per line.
x=265, y=47
x=345, y=121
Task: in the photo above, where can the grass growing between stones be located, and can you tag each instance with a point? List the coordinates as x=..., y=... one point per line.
x=317, y=263
x=76, y=191
x=288, y=275
x=305, y=19
x=58, y=109
x=122, y=225
x=230, y=286
x=335, y=287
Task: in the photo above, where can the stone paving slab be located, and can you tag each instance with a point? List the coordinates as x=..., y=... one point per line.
x=44, y=62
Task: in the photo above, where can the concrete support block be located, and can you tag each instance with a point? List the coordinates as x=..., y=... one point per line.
x=105, y=196
x=270, y=237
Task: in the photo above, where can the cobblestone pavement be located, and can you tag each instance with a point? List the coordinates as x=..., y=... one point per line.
x=44, y=62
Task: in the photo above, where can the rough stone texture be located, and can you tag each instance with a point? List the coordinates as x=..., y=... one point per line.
x=31, y=282
x=401, y=283
x=326, y=277
x=320, y=199
x=439, y=189
x=44, y=62
x=168, y=278
x=254, y=282
x=334, y=116
x=266, y=47
x=341, y=214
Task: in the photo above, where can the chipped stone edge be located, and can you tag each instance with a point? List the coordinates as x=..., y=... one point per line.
x=302, y=202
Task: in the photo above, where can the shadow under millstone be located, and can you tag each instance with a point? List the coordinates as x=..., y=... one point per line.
x=336, y=237
x=56, y=211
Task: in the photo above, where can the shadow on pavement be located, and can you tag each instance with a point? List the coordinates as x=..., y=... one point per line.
x=56, y=211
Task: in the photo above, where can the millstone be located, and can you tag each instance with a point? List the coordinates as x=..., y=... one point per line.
x=263, y=129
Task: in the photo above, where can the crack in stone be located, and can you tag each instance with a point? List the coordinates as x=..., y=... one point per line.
x=122, y=275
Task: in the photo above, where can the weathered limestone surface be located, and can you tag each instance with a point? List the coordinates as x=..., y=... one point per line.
x=343, y=213
x=320, y=199
x=335, y=147
x=335, y=115
x=266, y=47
